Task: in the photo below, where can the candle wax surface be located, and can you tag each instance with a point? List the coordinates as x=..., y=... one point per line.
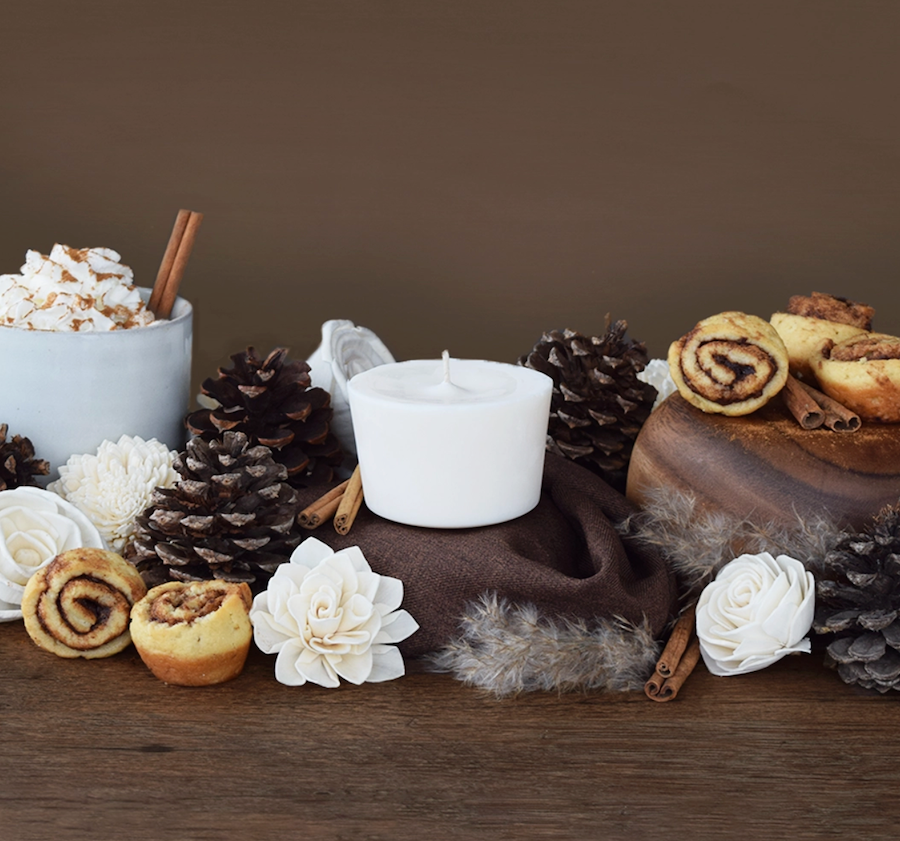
x=422, y=381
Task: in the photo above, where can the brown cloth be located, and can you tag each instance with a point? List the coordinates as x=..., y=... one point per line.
x=564, y=556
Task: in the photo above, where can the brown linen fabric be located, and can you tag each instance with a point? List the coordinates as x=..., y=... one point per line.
x=564, y=557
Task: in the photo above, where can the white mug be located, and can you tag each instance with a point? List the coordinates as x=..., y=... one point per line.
x=68, y=391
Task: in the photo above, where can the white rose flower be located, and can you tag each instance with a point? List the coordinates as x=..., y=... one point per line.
x=328, y=616
x=114, y=486
x=35, y=526
x=657, y=374
x=757, y=610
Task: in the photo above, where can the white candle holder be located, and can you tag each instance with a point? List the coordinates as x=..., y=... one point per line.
x=450, y=443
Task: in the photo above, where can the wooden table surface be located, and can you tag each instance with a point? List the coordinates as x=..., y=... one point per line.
x=102, y=750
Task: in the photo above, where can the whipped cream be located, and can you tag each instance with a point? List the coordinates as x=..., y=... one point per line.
x=72, y=290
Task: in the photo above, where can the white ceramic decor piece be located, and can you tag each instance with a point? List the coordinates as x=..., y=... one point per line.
x=451, y=443
x=70, y=391
x=345, y=350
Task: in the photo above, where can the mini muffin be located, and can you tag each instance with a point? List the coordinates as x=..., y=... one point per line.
x=863, y=373
x=194, y=633
x=79, y=604
x=812, y=321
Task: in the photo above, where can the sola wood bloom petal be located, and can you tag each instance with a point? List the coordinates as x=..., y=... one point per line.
x=35, y=526
x=115, y=485
x=327, y=616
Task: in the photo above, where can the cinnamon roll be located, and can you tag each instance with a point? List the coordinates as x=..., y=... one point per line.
x=79, y=605
x=863, y=373
x=730, y=364
x=812, y=321
x=194, y=633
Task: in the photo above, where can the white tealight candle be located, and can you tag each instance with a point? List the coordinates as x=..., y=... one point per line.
x=450, y=443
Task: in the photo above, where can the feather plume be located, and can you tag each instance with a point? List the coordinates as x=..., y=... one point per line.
x=697, y=542
x=507, y=649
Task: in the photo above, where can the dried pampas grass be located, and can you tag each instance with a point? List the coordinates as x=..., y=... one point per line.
x=697, y=543
x=507, y=649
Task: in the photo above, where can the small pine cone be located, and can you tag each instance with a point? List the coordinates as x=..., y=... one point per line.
x=271, y=402
x=599, y=405
x=858, y=601
x=18, y=466
x=231, y=516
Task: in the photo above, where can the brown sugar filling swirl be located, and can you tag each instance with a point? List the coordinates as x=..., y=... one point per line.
x=730, y=363
x=188, y=603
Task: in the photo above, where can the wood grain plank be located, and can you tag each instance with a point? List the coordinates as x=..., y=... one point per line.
x=101, y=749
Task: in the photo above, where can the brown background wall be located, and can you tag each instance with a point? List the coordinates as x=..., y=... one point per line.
x=461, y=174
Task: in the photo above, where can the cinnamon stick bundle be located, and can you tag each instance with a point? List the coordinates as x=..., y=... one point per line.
x=341, y=503
x=677, y=661
x=838, y=417
x=323, y=509
x=174, y=262
x=812, y=409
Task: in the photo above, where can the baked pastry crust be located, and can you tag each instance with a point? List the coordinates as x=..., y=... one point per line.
x=832, y=308
x=194, y=633
x=730, y=364
x=863, y=373
x=79, y=604
x=803, y=336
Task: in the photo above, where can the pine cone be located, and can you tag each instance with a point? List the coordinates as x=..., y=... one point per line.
x=231, y=516
x=18, y=466
x=858, y=600
x=598, y=405
x=271, y=402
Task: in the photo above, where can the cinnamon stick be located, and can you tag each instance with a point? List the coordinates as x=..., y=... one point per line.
x=673, y=684
x=806, y=411
x=174, y=262
x=323, y=508
x=350, y=503
x=678, y=640
x=838, y=417
x=165, y=267
x=170, y=291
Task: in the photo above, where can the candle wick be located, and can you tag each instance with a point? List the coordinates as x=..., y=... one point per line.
x=446, y=357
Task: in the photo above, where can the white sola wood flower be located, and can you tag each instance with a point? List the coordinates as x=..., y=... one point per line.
x=757, y=610
x=328, y=616
x=35, y=526
x=113, y=486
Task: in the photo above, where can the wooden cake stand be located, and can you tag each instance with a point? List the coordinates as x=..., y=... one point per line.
x=764, y=466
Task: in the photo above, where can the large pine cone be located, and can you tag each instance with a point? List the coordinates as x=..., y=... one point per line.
x=599, y=405
x=271, y=402
x=18, y=466
x=858, y=600
x=232, y=516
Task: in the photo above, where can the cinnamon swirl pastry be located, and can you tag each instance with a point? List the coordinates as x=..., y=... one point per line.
x=730, y=364
x=811, y=321
x=194, y=633
x=80, y=603
x=863, y=373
